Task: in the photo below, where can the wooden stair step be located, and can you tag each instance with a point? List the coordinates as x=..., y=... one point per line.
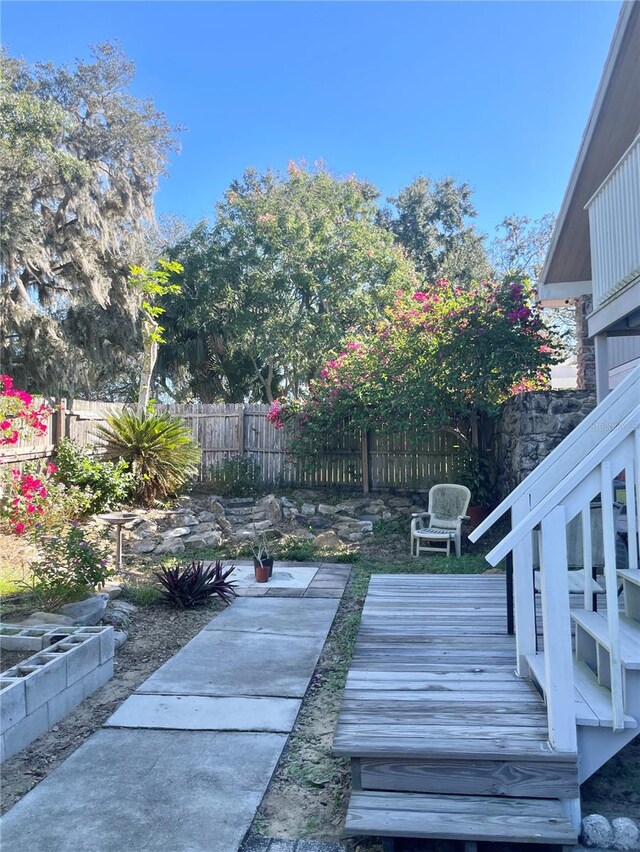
x=480, y=818
x=631, y=575
x=592, y=701
x=595, y=624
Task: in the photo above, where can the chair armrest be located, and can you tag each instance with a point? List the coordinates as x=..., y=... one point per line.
x=420, y=514
x=464, y=517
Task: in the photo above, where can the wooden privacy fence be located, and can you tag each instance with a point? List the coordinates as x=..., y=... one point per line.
x=353, y=459
x=74, y=419
x=368, y=461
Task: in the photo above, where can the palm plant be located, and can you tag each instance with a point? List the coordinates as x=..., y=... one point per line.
x=159, y=449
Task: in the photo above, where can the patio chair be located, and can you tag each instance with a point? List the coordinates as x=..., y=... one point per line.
x=434, y=530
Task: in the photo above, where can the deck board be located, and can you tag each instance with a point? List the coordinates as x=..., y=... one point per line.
x=433, y=674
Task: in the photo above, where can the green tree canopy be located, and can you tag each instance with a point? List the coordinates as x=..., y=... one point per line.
x=429, y=218
x=79, y=164
x=290, y=264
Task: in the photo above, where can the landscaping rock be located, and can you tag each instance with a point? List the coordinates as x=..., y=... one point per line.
x=119, y=613
x=38, y=618
x=119, y=638
x=327, y=539
x=377, y=507
x=214, y=504
x=270, y=505
x=354, y=536
x=88, y=611
x=178, y=532
x=596, y=832
x=171, y=545
x=308, y=509
x=323, y=509
x=143, y=546
x=286, y=503
x=208, y=517
x=148, y=527
x=626, y=835
x=114, y=590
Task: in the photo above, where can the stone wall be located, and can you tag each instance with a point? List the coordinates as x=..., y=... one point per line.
x=532, y=424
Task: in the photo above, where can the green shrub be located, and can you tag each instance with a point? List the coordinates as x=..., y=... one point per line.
x=237, y=476
x=104, y=484
x=69, y=565
x=159, y=449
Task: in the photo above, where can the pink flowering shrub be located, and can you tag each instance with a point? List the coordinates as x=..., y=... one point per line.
x=32, y=497
x=442, y=353
x=19, y=415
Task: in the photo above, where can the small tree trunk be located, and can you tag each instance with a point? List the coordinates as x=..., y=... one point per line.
x=149, y=357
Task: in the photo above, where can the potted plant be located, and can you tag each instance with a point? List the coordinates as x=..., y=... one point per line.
x=262, y=559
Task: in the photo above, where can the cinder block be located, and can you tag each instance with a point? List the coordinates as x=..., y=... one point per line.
x=56, y=634
x=107, y=645
x=13, y=703
x=46, y=681
x=25, y=731
x=98, y=677
x=83, y=656
x=65, y=702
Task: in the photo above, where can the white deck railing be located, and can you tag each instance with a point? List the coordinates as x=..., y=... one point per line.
x=583, y=466
x=614, y=224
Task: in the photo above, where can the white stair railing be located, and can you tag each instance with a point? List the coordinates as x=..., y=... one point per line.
x=582, y=467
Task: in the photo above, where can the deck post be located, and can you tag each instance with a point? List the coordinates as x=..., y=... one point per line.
x=525, y=622
x=556, y=626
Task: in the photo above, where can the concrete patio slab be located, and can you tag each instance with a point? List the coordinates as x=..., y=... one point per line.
x=281, y=615
x=206, y=713
x=239, y=663
x=283, y=577
x=148, y=791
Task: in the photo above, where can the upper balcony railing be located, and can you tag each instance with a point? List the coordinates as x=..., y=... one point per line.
x=614, y=224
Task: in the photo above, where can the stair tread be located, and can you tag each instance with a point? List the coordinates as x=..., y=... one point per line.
x=630, y=574
x=596, y=625
x=483, y=818
x=592, y=701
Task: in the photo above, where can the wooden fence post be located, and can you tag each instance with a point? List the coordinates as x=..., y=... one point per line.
x=241, y=423
x=59, y=421
x=365, y=462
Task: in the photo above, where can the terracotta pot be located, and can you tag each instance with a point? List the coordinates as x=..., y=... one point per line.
x=269, y=563
x=261, y=571
x=477, y=514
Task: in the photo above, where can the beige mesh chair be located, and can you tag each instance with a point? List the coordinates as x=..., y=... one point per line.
x=434, y=530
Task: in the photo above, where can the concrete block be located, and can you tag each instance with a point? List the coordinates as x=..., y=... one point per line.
x=106, y=640
x=13, y=703
x=46, y=681
x=25, y=731
x=83, y=656
x=97, y=678
x=65, y=702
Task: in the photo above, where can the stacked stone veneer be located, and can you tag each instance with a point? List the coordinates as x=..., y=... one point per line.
x=73, y=662
x=532, y=424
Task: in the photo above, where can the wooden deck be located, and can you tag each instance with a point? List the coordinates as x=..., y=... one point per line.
x=433, y=672
x=432, y=705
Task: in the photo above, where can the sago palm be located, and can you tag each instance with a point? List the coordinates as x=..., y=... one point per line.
x=160, y=450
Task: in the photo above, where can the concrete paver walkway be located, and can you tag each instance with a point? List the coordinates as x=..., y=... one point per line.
x=183, y=763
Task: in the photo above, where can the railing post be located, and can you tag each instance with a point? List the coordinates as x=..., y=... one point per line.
x=525, y=621
x=587, y=558
x=556, y=626
x=611, y=589
x=632, y=478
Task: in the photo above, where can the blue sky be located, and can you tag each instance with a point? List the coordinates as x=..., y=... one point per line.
x=496, y=93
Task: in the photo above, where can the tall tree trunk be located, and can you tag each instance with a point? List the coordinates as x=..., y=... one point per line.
x=149, y=357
